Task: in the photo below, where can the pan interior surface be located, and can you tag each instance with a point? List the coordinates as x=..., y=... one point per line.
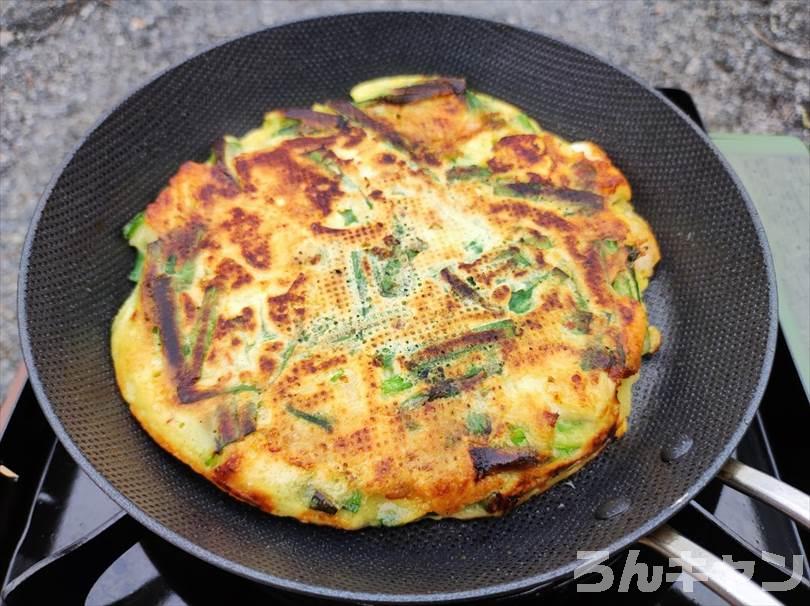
x=712, y=299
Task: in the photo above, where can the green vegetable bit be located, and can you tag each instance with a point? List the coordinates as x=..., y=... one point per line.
x=354, y=502
x=625, y=284
x=506, y=326
x=133, y=225
x=314, y=418
x=473, y=102
x=565, y=451
x=137, y=269
x=171, y=263
x=337, y=376
x=360, y=282
x=386, y=359
x=518, y=436
x=414, y=401
x=184, y=277
x=395, y=384
x=542, y=242
x=610, y=246
x=348, y=216
x=525, y=122
x=243, y=387
x=387, y=277
x=474, y=247
x=521, y=300
x=213, y=459
x=478, y=423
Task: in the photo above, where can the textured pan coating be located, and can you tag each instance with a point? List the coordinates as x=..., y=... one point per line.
x=416, y=304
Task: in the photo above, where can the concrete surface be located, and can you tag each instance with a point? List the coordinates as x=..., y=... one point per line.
x=64, y=63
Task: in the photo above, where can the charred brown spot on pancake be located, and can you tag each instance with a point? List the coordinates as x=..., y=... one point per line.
x=321, y=191
x=161, y=292
x=244, y=321
x=243, y=229
x=376, y=194
x=486, y=460
x=223, y=186
x=585, y=173
x=267, y=365
x=458, y=343
x=312, y=365
x=313, y=118
x=497, y=503
x=525, y=148
x=290, y=307
x=551, y=301
x=501, y=293
x=426, y=90
x=225, y=470
x=348, y=110
x=183, y=242
x=541, y=218
x=382, y=468
x=231, y=275
x=188, y=306
x=387, y=158
x=357, y=441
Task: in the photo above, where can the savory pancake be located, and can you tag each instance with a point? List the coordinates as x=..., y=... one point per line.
x=418, y=303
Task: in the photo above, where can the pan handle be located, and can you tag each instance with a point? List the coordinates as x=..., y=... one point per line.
x=767, y=489
x=717, y=575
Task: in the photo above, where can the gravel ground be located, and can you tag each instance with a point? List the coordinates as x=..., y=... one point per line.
x=64, y=63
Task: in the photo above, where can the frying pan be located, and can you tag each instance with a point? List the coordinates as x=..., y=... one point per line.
x=713, y=297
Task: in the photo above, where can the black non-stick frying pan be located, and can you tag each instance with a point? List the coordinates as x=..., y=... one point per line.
x=713, y=297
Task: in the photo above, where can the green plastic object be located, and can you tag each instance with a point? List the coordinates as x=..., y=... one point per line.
x=776, y=172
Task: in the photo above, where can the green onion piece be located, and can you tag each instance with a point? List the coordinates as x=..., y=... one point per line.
x=537, y=241
x=518, y=436
x=348, y=216
x=242, y=388
x=565, y=451
x=212, y=460
x=474, y=247
x=132, y=225
x=184, y=277
x=137, y=269
x=478, y=423
x=395, y=384
x=286, y=355
x=466, y=173
x=211, y=159
x=288, y=127
x=414, y=401
x=314, y=418
x=506, y=326
x=579, y=322
x=610, y=246
x=473, y=102
x=386, y=359
x=521, y=300
x=625, y=284
x=386, y=277
x=564, y=426
x=171, y=262
x=520, y=260
x=354, y=502
x=525, y=122
x=360, y=282
x=337, y=376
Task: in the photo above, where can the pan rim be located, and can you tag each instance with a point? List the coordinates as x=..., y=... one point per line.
x=490, y=591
